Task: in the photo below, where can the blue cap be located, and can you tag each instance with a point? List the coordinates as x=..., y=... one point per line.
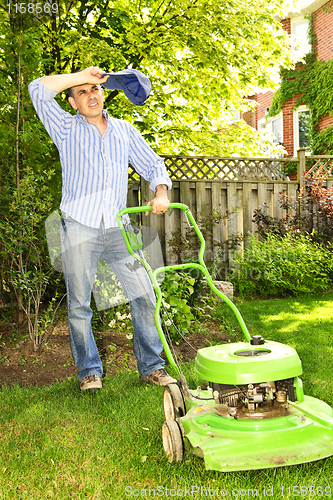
x=135, y=85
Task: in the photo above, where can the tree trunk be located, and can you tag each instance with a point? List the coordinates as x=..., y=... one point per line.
x=19, y=309
x=19, y=314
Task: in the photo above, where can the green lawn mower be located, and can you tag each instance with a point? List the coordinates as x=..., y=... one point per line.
x=250, y=413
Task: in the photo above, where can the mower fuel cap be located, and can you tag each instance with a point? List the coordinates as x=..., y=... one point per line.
x=257, y=340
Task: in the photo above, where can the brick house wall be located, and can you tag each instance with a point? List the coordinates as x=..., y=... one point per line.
x=323, y=28
x=249, y=116
x=286, y=25
x=288, y=126
x=264, y=101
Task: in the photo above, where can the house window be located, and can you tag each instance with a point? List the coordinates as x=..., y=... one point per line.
x=234, y=116
x=274, y=127
x=301, y=128
x=300, y=35
x=277, y=130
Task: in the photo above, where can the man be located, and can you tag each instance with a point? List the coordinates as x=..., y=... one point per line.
x=95, y=150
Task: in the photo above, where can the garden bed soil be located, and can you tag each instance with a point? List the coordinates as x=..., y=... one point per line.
x=20, y=365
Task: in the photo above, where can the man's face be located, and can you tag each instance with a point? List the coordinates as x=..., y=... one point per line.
x=88, y=99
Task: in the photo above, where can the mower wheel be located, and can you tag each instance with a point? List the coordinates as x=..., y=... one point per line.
x=173, y=402
x=172, y=441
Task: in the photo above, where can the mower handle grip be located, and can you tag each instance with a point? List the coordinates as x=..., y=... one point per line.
x=148, y=208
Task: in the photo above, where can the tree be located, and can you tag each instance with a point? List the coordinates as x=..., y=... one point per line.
x=202, y=57
x=23, y=143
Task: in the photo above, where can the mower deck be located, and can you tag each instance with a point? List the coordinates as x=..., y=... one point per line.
x=304, y=434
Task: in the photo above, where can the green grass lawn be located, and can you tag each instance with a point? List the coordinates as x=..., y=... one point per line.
x=57, y=443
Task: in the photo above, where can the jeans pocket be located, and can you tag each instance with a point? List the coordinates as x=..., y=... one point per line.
x=65, y=216
x=63, y=223
x=66, y=219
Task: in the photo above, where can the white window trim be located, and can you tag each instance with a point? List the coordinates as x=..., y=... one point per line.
x=293, y=21
x=296, y=129
x=266, y=121
x=234, y=117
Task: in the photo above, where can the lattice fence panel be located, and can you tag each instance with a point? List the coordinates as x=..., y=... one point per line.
x=133, y=176
x=319, y=165
x=223, y=169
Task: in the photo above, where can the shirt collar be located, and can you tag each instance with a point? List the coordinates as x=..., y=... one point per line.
x=104, y=112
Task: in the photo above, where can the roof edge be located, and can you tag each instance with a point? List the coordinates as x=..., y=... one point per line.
x=307, y=9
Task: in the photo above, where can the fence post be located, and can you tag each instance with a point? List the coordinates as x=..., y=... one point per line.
x=301, y=166
x=300, y=176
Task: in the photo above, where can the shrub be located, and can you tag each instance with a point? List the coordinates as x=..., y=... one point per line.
x=315, y=217
x=177, y=289
x=185, y=247
x=267, y=224
x=23, y=250
x=317, y=201
x=279, y=266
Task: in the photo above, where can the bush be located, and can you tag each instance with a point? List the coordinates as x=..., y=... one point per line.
x=311, y=213
x=279, y=266
x=177, y=289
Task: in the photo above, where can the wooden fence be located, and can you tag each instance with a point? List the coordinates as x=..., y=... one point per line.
x=233, y=186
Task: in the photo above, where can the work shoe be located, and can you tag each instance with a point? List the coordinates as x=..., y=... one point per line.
x=91, y=383
x=159, y=377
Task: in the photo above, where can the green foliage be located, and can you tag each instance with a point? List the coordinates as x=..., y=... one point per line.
x=201, y=56
x=243, y=140
x=294, y=254
x=118, y=316
x=23, y=139
x=177, y=289
x=278, y=266
x=186, y=246
x=107, y=290
x=23, y=249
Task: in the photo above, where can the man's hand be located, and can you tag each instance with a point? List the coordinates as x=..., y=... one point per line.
x=160, y=203
x=93, y=75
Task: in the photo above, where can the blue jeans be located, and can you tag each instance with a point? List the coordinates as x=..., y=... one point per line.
x=82, y=246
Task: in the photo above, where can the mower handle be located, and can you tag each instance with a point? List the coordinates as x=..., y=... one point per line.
x=201, y=266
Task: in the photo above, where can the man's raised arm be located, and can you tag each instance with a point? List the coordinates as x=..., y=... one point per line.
x=58, y=83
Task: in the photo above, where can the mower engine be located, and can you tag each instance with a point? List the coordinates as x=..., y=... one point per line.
x=258, y=400
x=251, y=381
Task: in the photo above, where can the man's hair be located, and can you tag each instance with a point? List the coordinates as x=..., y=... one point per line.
x=70, y=92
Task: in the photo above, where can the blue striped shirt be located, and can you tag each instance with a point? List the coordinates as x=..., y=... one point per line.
x=95, y=166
